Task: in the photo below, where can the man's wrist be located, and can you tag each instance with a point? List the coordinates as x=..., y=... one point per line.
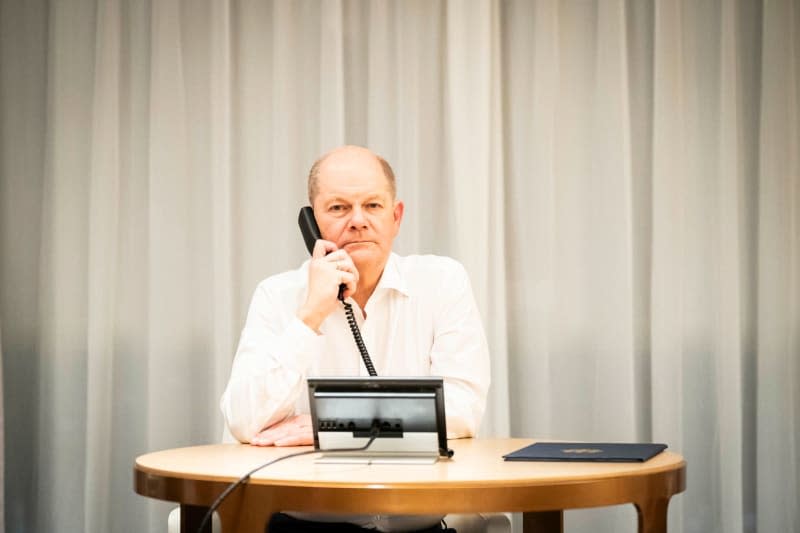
x=309, y=318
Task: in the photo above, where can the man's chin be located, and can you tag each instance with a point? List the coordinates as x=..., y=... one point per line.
x=360, y=247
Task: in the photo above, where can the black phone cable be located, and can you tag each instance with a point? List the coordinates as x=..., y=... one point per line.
x=351, y=321
x=362, y=348
x=245, y=478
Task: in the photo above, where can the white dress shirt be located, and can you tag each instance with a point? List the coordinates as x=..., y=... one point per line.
x=421, y=320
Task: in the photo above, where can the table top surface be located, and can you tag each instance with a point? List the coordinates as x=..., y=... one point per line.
x=477, y=462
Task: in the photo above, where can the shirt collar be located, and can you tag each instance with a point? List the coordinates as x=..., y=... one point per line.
x=392, y=277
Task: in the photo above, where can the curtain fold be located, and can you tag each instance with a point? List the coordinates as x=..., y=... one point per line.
x=103, y=227
x=778, y=362
x=63, y=270
x=620, y=178
x=2, y=444
x=23, y=54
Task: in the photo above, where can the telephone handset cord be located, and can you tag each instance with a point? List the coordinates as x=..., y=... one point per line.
x=351, y=321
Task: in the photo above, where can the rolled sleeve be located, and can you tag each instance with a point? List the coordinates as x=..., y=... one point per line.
x=268, y=374
x=460, y=354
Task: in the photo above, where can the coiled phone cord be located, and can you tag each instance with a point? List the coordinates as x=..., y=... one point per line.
x=362, y=348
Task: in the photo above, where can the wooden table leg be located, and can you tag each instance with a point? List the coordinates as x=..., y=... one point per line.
x=245, y=512
x=254, y=517
x=229, y=518
x=652, y=515
x=191, y=516
x=543, y=522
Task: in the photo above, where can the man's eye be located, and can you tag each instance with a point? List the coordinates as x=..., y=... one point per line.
x=373, y=205
x=336, y=207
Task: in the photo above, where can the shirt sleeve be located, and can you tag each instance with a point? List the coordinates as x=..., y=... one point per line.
x=460, y=354
x=268, y=374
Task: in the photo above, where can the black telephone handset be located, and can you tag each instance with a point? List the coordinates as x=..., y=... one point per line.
x=311, y=233
x=308, y=227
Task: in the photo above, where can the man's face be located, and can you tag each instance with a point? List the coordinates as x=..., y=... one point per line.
x=354, y=208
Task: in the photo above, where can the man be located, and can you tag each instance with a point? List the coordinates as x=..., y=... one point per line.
x=417, y=316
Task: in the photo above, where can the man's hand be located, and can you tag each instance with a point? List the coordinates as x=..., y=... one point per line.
x=329, y=268
x=294, y=431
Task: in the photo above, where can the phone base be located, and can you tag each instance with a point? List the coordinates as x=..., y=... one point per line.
x=377, y=459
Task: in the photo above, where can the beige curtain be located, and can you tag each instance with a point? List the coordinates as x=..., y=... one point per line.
x=620, y=178
x=2, y=444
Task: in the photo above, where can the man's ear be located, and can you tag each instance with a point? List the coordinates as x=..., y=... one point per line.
x=398, y=215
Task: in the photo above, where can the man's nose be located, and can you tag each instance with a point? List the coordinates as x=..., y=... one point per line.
x=357, y=219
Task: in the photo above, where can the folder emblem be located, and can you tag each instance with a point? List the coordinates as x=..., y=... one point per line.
x=582, y=450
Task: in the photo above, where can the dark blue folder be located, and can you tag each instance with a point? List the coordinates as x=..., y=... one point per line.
x=587, y=452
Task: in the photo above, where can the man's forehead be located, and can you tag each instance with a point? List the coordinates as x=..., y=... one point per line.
x=351, y=157
x=352, y=172
x=342, y=187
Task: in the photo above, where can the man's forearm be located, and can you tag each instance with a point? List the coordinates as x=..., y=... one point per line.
x=267, y=377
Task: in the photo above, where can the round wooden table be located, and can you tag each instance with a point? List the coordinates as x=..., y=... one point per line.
x=475, y=480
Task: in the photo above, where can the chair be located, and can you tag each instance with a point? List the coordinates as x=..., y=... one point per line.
x=462, y=523
x=174, y=522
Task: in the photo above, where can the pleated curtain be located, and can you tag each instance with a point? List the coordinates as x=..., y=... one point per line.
x=621, y=180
